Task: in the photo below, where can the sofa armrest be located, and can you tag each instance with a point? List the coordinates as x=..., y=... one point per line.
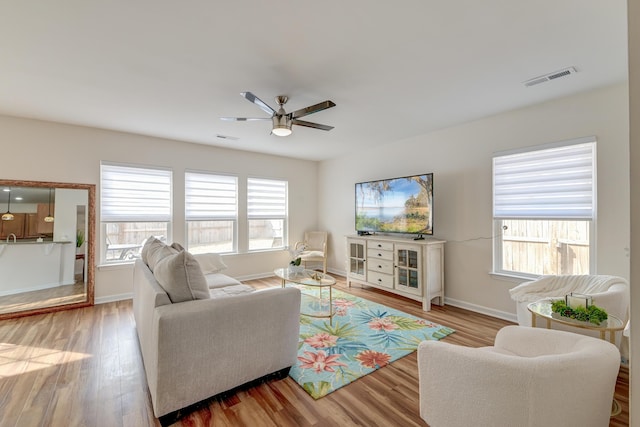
x=205, y=347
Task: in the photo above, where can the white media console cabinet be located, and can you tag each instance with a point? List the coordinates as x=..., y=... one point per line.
x=411, y=268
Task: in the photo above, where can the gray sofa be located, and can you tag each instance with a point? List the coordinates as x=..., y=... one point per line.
x=198, y=348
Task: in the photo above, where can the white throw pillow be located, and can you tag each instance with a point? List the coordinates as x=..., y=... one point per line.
x=144, y=252
x=177, y=246
x=156, y=251
x=181, y=277
x=210, y=263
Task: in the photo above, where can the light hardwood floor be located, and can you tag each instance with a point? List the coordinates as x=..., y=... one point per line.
x=83, y=368
x=58, y=295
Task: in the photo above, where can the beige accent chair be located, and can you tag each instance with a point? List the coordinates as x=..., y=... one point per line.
x=608, y=292
x=315, y=244
x=530, y=377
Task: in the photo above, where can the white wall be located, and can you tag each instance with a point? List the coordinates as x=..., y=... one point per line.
x=65, y=227
x=44, y=151
x=460, y=158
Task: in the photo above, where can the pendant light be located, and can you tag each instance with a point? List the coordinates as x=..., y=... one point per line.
x=8, y=216
x=49, y=218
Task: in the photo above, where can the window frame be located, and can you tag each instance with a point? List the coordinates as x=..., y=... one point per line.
x=284, y=216
x=167, y=210
x=498, y=222
x=232, y=218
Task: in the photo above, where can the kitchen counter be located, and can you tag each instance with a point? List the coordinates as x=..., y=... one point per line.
x=32, y=241
x=29, y=266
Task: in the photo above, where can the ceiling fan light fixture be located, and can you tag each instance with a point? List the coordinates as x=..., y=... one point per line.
x=282, y=121
x=281, y=126
x=281, y=131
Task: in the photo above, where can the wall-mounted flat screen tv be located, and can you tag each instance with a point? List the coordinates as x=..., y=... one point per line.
x=397, y=205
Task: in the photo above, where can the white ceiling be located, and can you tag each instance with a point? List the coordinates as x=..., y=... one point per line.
x=395, y=69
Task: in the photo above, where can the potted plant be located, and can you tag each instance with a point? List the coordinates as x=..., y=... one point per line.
x=80, y=239
x=590, y=314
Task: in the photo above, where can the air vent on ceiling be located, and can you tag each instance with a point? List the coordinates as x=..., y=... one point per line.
x=551, y=76
x=230, y=138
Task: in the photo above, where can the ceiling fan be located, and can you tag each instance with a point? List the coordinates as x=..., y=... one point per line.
x=282, y=121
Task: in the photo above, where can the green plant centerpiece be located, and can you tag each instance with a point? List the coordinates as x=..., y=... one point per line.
x=590, y=314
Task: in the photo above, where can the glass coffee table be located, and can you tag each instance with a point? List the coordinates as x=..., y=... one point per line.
x=543, y=309
x=312, y=305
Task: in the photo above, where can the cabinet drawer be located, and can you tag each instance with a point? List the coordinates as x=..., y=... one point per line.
x=378, y=244
x=380, y=279
x=373, y=254
x=380, y=265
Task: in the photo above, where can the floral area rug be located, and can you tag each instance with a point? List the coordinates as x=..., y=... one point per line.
x=363, y=337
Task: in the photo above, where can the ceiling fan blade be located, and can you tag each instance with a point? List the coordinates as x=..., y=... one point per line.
x=311, y=125
x=243, y=119
x=312, y=109
x=260, y=103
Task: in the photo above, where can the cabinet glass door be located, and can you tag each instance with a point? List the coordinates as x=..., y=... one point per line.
x=408, y=269
x=356, y=259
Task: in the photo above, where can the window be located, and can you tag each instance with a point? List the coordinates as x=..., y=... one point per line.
x=266, y=213
x=544, y=209
x=211, y=211
x=135, y=203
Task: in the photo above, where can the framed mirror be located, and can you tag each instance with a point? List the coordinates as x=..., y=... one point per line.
x=47, y=247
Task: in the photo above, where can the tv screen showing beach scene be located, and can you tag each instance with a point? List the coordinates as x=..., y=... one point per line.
x=397, y=205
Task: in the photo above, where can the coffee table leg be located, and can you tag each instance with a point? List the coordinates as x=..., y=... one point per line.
x=533, y=320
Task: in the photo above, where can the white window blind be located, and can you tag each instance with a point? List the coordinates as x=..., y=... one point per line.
x=550, y=183
x=266, y=198
x=134, y=194
x=209, y=196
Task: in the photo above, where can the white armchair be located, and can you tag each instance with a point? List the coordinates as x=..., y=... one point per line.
x=608, y=292
x=315, y=248
x=530, y=377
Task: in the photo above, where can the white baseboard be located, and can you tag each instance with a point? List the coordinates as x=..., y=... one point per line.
x=113, y=298
x=337, y=272
x=255, y=276
x=511, y=317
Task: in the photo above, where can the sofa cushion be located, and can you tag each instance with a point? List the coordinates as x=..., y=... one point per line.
x=180, y=276
x=156, y=251
x=144, y=252
x=219, y=280
x=210, y=263
x=177, y=246
x=230, y=291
